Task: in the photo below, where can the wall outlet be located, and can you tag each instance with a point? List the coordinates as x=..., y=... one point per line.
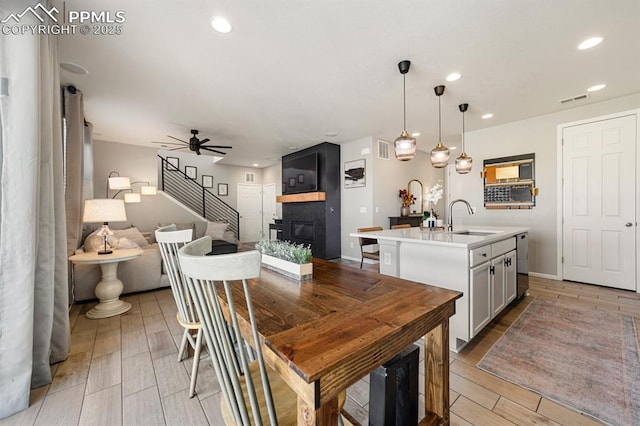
x=377, y=210
x=387, y=258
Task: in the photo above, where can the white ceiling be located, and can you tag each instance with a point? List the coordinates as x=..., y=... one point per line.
x=293, y=70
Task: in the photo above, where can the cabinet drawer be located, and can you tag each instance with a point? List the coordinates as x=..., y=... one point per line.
x=480, y=255
x=502, y=247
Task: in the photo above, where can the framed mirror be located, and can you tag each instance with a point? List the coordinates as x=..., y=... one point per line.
x=415, y=188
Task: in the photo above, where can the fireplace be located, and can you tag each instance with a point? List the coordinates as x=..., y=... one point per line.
x=302, y=231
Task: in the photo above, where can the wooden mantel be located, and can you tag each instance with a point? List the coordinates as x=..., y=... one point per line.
x=301, y=198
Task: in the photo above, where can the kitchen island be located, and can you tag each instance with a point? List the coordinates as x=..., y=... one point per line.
x=479, y=261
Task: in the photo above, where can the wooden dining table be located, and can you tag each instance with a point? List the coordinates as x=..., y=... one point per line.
x=323, y=335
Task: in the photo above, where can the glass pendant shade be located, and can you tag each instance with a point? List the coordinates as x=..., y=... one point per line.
x=439, y=154
x=405, y=144
x=464, y=163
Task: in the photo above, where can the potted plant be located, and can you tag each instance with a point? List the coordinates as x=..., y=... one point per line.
x=290, y=259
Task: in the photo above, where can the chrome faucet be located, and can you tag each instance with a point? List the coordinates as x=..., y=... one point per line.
x=450, y=218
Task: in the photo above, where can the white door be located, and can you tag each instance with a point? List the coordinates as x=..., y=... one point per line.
x=268, y=208
x=599, y=199
x=250, y=209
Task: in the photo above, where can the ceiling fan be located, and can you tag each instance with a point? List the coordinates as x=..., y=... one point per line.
x=195, y=144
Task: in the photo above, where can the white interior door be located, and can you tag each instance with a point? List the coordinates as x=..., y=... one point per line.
x=599, y=199
x=268, y=207
x=250, y=210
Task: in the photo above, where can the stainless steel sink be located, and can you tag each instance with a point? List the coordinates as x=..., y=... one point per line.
x=475, y=233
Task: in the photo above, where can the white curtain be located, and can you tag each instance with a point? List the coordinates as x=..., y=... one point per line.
x=34, y=321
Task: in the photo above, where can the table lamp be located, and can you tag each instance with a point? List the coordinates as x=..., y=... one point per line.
x=105, y=211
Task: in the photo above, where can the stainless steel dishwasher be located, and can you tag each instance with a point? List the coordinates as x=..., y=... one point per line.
x=522, y=268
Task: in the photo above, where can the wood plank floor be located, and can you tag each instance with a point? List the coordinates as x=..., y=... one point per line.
x=124, y=371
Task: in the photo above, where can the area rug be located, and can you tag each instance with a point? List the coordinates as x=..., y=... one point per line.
x=582, y=358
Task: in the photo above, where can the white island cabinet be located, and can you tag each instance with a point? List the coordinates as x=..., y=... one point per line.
x=480, y=262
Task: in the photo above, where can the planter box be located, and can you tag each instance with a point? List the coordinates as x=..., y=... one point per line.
x=292, y=270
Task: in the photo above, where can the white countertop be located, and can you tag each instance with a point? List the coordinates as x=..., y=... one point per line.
x=425, y=236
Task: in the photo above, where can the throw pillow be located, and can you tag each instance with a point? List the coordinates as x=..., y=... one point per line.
x=125, y=243
x=133, y=235
x=216, y=230
x=94, y=242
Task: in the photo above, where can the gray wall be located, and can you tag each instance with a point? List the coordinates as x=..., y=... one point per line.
x=538, y=135
x=373, y=204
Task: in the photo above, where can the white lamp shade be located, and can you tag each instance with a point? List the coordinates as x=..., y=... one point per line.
x=148, y=190
x=131, y=197
x=118, y=182
x=104, y=210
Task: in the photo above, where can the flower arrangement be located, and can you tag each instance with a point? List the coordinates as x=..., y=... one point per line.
x=407, y=198
x=433, y=196
x=285, y=250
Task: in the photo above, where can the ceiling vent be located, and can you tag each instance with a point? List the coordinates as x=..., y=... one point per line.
x=383, y=149
x=574, y=98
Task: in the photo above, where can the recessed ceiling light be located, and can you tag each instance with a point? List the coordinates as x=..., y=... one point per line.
x=451, y=148
x=292, y=148
x=415, y=134
x=454, y=76
x=74, y=68
x=221, y=25
x=331, y=134
x=487, y=116
x=255, y=164
x=596, y=87
x=590, y=42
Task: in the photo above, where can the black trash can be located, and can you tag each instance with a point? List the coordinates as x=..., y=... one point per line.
x=393, y=390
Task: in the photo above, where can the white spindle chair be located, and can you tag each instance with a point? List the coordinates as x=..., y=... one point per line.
x=249, y=399
x=170, y=240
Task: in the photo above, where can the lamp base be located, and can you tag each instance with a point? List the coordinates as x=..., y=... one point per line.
x=105, y=252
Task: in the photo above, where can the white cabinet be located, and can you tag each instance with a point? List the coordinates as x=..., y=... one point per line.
x=511, y=275
x=492, y=284
x=480, y=295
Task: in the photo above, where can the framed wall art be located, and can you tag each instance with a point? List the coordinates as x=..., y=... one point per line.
x=191, y=172
x=174, y=161
x=354, y=174
x=223, y=189
x=207, y=181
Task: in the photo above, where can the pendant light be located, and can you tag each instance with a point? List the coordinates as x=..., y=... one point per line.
x=439, y=154
x=405, y=144
x=463, y=162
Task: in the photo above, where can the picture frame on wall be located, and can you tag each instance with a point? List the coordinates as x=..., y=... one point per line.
x=174, y=161
x=223, y=189
x=207, y=181
x=355, y=174
x=191, y=172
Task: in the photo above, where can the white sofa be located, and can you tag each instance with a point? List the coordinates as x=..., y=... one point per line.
x=140, y=274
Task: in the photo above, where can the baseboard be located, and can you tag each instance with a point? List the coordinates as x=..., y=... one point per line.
x=545, y=276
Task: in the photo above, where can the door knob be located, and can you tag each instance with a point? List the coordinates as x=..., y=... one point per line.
x=628, y=224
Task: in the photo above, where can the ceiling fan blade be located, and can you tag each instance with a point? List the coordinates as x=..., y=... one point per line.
x=204, y=141
x=180, y=140
x=180, y=147
x=166, y=143
x=218, y=146
x=213, y=150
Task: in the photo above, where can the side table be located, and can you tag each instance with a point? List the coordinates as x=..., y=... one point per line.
x=109, y=288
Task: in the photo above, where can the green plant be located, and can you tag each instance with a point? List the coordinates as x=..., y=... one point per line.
x=285, y=250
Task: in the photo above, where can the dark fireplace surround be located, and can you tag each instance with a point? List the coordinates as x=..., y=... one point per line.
x=317, y=223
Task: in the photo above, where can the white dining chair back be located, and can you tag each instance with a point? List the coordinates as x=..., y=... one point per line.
x=231, y=361
x=170, y=240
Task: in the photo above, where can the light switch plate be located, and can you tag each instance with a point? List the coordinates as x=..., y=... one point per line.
x=364, y=151
x=363, y=209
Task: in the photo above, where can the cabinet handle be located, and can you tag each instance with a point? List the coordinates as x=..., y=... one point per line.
x=492, y=270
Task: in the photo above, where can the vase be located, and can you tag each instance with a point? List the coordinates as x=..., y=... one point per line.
x=404, y=211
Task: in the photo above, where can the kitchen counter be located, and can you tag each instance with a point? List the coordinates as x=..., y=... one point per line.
x=478, y=261
x=456, y=239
